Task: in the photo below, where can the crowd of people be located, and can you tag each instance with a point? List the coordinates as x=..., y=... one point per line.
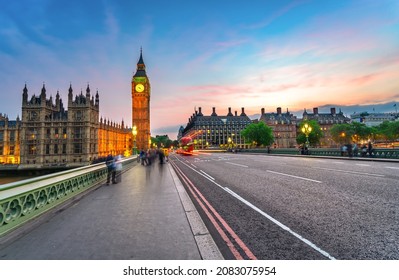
x=149, y=156
x=114, y=163
x=352, y=150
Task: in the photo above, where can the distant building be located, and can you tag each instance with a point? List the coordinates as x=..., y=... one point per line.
x=284, y=126
x=9, y=140
x=215, y=131
x=373, y=119
x=326, y=121
x=180, y=133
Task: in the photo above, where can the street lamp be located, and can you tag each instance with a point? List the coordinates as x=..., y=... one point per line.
x=306, y=129
x=229, y=141
x=134, y=132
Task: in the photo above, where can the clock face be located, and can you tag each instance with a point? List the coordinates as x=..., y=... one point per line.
x=139, y=87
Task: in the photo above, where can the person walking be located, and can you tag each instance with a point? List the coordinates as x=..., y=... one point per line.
x=142, y=157
x=118, y=169
x=110, y=162
x=370, y=149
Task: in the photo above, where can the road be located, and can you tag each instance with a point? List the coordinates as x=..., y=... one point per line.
x=295, y=208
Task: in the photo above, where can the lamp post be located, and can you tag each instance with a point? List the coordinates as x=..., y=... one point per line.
x=306, y=129
x=229, y=141
x=134, y=132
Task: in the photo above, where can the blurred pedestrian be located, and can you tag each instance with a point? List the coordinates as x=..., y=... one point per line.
x=370, y=149
x=110, y=162
x=118, y=169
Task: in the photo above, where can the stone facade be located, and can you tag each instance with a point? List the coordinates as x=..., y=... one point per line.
x=9, y=140
x=326, y=121
x=51, y=136
x=284, y=126
x=215, y=131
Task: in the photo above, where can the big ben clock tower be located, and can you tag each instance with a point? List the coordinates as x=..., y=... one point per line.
x=141, y=90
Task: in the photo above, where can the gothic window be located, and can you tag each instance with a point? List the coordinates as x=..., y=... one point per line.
x=32, y=149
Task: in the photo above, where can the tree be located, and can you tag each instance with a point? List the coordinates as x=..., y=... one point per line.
x=162, y=141
x=314, y=136
x=389, y=131
x=341, y=133
x=258, y=134
x=354, y=132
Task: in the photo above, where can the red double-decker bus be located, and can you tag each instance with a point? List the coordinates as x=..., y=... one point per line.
x=186, y=146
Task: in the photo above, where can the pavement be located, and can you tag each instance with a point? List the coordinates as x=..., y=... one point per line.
x=146, y=216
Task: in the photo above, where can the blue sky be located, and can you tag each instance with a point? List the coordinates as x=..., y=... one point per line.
x=254, y=54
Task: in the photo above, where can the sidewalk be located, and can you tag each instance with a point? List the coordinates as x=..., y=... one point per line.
x=148, y=216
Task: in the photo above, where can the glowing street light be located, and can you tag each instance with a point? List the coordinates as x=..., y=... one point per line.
x=134, y=132
x=306, y=129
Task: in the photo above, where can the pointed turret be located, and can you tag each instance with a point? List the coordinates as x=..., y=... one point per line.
x=88, y=93
x=70, y=95
x=97, y=99
x=25, y=95
x=140, y=72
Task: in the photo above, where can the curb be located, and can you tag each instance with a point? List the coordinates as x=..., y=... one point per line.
x=205, y=243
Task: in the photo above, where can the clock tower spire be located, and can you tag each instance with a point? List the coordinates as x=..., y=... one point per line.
x=141, y=104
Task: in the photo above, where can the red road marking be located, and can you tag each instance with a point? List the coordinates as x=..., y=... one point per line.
x=230, y=245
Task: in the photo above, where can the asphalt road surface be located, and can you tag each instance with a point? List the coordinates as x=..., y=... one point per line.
x=290, y=208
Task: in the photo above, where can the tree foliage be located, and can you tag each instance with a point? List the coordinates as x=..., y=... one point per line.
x=351, y=132
x=388, y=131
x=314, y=136
x=162, y=141
x=258, y=134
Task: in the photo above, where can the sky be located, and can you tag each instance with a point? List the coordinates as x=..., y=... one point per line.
x=254, y=54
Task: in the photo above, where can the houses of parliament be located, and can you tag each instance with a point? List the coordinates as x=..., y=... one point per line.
x=49, y=135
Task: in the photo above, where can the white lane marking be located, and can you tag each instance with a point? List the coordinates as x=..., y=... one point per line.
x=293, y=176
x=270, y=218
x=391, y=167
x=362, y=164
x=337, y=162
x=194, y=165
x=350, y=172
x=207, y=175
x=265, y=215
x=237, y=164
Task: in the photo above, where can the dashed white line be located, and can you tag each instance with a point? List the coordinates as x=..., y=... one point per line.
x=350, y=172
x=362, y=164
x=391, y=167
x=237, y=164
x=207, y=175
x=293, y=176
x=281, y=225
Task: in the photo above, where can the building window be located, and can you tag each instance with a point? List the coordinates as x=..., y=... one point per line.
x=78, y=133
x=47, y=149
x=56, y=149
x=1, y=135
x=64, y=148
x=32, y=149
x=77, y=148
x=1, y=150
x=12, y=150
x=12, y=135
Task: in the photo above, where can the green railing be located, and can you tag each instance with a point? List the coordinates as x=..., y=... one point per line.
x=25, y=200
x=333, y=152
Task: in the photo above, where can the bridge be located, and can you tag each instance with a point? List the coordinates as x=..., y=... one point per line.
x=74, y=215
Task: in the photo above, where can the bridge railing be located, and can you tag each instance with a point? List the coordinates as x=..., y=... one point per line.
x=25, y=200
x=334, y=152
